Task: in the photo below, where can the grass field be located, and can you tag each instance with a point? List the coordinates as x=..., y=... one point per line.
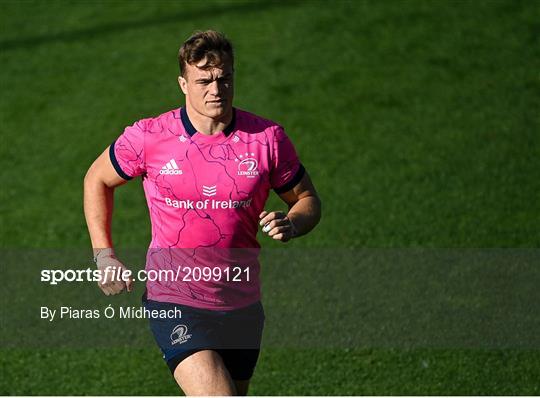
x=418, y=121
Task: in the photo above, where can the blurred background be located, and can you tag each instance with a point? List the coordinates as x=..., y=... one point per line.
x=418, y=121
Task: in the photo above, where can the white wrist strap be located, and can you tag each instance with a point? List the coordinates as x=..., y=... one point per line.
x=102, y=253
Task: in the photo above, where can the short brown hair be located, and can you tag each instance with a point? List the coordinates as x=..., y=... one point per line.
x=212, y=45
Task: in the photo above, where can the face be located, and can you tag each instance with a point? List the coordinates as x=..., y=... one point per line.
x=208, y=92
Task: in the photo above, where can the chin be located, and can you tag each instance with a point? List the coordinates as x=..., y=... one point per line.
x=217, y=112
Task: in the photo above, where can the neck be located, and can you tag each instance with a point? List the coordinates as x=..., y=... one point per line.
x=208, y=125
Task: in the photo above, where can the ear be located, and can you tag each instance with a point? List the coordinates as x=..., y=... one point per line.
x=183, y=84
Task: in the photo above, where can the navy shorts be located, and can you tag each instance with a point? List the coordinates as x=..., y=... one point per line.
x=235, y=335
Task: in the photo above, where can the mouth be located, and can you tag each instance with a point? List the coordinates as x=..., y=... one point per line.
x=220, y=101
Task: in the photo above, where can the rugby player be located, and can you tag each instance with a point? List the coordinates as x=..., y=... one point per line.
x=207, y=169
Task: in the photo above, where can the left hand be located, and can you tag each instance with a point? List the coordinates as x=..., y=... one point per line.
x=277, y=225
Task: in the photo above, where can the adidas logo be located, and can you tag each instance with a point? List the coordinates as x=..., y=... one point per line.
x=209, y=191
x=171, y=168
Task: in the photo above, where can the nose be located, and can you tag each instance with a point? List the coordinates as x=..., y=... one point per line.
x=213, y=88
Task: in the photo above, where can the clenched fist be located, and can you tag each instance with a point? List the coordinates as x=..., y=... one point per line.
x=277, y=225
x=114, y=276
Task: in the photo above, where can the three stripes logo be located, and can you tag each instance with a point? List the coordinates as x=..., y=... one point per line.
x=209, y=191
x=171, y=168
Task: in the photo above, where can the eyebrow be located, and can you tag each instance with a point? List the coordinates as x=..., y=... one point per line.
x=206, y=79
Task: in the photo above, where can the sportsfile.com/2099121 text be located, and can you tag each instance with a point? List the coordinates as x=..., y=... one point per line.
x=181, y=274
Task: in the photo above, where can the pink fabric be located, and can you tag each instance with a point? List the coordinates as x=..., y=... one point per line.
x=204, y=194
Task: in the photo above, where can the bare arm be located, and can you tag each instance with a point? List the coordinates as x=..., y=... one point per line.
x=303, y=215
x=99, y=184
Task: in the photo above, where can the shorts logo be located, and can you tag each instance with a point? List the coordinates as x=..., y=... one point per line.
x=179, y=335
x=171, y=168
x=247, y=166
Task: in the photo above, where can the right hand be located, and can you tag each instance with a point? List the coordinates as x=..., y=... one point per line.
x=109, y=283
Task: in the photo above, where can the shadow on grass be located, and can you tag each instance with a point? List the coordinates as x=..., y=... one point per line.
x=215, y=10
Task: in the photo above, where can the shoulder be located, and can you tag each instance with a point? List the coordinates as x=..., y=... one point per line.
x=250, y=123
x=163, y=124
x=262, y=130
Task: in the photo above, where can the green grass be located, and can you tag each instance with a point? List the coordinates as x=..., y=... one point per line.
x=418, y=122
x=284, y=372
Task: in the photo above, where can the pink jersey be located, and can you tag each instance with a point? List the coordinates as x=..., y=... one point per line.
x=204, y=194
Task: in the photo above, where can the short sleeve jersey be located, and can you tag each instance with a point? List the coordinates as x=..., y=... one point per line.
x=204, y=195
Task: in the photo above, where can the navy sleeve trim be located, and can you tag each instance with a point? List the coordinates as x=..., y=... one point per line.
x=292, y=183
x=115, y=163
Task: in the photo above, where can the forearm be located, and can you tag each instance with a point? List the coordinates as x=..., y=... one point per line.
x=98, y=208
x=305, y=214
